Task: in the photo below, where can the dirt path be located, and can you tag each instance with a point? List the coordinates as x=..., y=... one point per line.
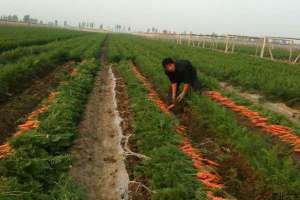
x=18, y=106
x=99, y=162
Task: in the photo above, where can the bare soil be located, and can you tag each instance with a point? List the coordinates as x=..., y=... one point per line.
x=13, y=111
x=135, y=192
x=99, y=161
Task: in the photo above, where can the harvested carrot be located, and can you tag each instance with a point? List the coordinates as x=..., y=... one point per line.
x=285, y=134
x=30, y=123
x=208, y=178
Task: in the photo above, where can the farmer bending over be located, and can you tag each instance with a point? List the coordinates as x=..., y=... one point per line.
x=180, y=71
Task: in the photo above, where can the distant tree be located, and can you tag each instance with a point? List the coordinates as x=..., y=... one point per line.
x=118, y=28
x=56, y=23
x=12, y=18
x=15, y=18
x=129, y=29
x=26, y=18
x=9, y=18
x=101, y=26
x=65, y=23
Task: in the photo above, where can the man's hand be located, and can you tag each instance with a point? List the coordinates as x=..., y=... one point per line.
x=170, y=107
x=183, y=93
x=181, y=96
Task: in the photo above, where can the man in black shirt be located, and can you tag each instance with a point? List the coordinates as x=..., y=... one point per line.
x=180, y=71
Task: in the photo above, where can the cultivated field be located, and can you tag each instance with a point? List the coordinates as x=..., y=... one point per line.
x=85, y=116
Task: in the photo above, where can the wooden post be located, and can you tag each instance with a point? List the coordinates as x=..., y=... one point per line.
x=227, y=44
x=179, y=38
x=297, y=59
x=256, y=51
x=193, y=41
x=190, y=39
x=262, y=53
x=271, y=54
x=233, y=46
x=198, y=41
x=291, y=50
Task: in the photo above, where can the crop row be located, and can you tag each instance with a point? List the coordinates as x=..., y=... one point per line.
x=272, y=162
x=38, y=167
x=13, y=37
x=245, y=71
x=169, y=172
x=16, y=76
x=13, y=56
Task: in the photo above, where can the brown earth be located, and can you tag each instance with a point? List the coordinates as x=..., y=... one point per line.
x=135, y=191
x=99, y=162
x=99, y=165
x=13, y=111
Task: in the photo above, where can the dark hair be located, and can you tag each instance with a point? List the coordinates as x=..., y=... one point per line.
x=167, y=61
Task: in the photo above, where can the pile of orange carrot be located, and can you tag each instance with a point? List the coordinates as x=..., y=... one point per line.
x=285, y=134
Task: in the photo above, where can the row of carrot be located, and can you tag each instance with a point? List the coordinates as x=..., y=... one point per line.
x=203, y=166
x=271, y=164
x=285, y=134
x=32, y=121
x=38, y=164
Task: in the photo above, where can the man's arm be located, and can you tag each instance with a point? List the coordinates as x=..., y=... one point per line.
x=185, y=90
x=174, y=90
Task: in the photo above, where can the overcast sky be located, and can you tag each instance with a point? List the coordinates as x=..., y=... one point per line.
x=247, y=17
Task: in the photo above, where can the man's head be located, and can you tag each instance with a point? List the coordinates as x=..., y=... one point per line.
x=168, y=64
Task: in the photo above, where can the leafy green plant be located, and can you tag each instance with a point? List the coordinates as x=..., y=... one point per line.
x=272, y=161
x=38, y=168
x=169, y=172
x=17, y=76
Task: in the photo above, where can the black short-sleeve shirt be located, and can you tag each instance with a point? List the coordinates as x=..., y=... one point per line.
x=184, y=72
